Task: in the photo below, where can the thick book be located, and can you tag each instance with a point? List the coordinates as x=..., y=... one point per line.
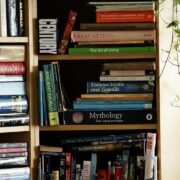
x=67, y=32
x=13, y=88
x=84, y=36
x=48, y=36
x=111, y=50
x=10, y=145
x=12, y=68
x=12, y=78
x=13, y=161
x=116, y=26
x=108, y=87
x=110, y=117
x=12, y=17
x=13, y=149
x=43, y=148
x=50, y=94
x=14, y=171
x=13, y=53
x=124, y=16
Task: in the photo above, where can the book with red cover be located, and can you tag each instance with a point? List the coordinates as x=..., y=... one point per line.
x=125, y=16
x=12, y=68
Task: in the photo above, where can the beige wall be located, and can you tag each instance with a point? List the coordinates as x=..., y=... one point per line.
x=170, y=116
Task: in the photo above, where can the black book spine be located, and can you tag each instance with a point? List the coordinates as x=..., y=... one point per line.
x=21, y=17
x=12, y=17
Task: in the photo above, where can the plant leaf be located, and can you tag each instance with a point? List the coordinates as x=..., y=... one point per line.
x=173, y=23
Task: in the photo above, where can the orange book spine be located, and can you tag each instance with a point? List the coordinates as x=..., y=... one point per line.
x=125, y=16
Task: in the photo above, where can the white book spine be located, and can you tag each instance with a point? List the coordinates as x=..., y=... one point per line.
x=86, y=170
x=3, y=18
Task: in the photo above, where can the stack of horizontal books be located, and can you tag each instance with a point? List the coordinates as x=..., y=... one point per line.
x=124, y=94
x=120, y=27
x=14, y=161
x=13, y=99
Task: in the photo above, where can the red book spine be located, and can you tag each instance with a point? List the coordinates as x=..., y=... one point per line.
x=101, y=174
x=12, y=68
x=67, y=32
x=9, y=150
x=125, y=16
x=68, y=166
x=118, y=173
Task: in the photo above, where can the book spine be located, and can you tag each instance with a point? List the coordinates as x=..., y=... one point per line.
x=12, y=17
x=109, y=50
x=16, y=177
x=86, y=170
x=118, y=172
x=48, y=38
x=125, y=166
x=52, y=110
x=20, y=17
x=119, y=87
x=67, y=32
x=55, y=175
x=12, y=78
x=126, y=78
x=13, y=104
x=20, y=154
x=116, y=26
x=110, y=117
x=10, y=145
x=109, y=36
x=40, y=73
x=93, y=166
x=78, y=172
x=12, y=68
x=125, y=16
x=62, y=168
x=68, y=166
x=3, y=18
x=13, y=149
x=14, y=171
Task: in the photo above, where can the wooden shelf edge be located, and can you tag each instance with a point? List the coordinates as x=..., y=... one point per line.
x=14, y=129
x=98, y=56
x=14, y=40
x=99, y=127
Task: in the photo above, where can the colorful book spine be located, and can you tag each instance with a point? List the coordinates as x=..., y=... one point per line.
x=111, y=50
x=13, y=149
x=85, y=36
x=119, y=87
x=116, y=26
x=52, y=107
x=40, y=73
x=12, y=68
x=124, y=16
x=67, y=32
x=86, y=170
x=110, y=117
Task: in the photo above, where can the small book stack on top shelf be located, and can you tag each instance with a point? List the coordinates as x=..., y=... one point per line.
x=121, y=27
x=13, y=98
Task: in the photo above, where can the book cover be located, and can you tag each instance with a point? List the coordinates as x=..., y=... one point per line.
x=13, y=53
x=108, y=87
x=84, y=36
x=12, y=88
x=49, y=91
x=12, y=68
x=12, y=17
x=150, y=154
x=67, y=32
x=48, y=36
x=110, y=50
x=110, y=117
x=124, y=16
x=116, y=26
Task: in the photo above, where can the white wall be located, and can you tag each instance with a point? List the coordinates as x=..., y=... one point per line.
x=169, y=115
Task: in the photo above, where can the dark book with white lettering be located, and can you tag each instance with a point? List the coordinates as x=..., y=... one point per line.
x=110, y=117
x=48, y=36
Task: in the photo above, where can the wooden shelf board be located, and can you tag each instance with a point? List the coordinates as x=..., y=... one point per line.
x=98, y=56
x=99, y=127
x=14, y=40
x=14, y=129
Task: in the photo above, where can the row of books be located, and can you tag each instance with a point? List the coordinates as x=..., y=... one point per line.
x=13, y=99
x=120, y=27
x=112, y=162
x=123, y=94
x=14, y=161
x=11, y=18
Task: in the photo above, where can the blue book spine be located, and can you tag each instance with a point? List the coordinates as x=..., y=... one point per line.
x=107, y=87
x=41, y=98
x=111, y=106
x=113, y=102
x=13, y=104
x=93, y=166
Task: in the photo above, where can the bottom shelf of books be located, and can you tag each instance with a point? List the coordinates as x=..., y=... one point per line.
x=119, y=155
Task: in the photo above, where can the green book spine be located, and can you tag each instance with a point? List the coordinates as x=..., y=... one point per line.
x=111, y=50
x=50, y=91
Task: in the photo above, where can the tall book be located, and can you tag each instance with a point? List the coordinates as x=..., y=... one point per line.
x=3, y=18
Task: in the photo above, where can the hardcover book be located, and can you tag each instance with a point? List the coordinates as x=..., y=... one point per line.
x=48, y=36
x=110, y=117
